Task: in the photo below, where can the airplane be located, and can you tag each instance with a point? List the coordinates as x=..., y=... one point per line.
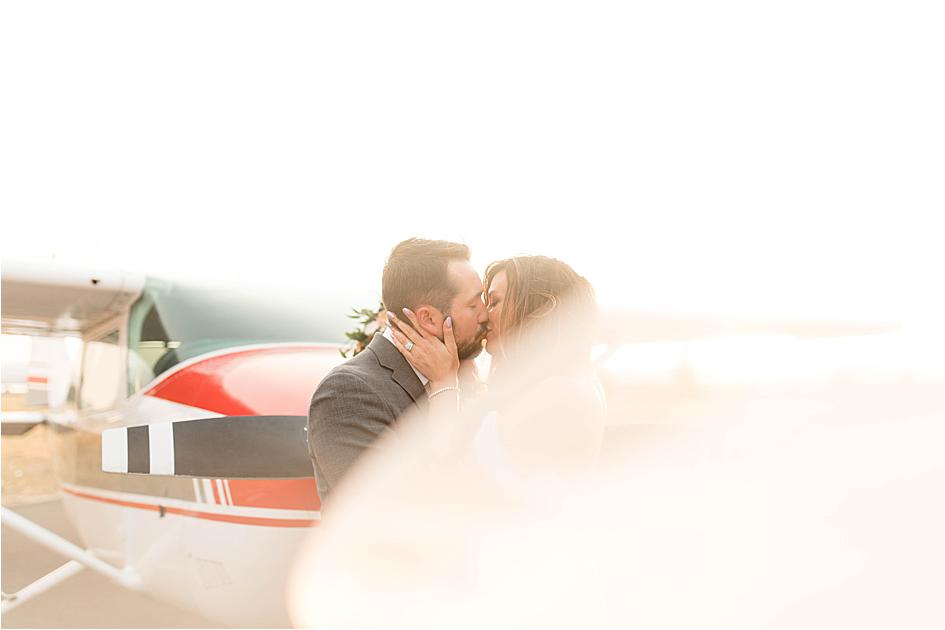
x=167, y=371
x=181, y=448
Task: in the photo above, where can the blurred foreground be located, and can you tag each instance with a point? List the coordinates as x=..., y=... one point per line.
x=810, y=501
x=801, y=493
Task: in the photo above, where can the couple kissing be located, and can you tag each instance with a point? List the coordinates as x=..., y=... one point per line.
x=540, y=407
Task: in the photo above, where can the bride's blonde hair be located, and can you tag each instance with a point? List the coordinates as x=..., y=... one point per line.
x=549, y=313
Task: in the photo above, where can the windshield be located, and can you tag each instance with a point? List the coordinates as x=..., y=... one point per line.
x=173, y=322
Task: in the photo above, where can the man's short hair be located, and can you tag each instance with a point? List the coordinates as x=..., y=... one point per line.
x=416, y=273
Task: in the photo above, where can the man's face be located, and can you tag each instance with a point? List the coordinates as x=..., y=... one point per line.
x=467, y=310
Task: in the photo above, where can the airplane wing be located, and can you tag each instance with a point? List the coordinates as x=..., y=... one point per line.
x=49, y=301
x=44, y=299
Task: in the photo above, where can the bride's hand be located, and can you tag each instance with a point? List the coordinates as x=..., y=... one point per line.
x=435, y=359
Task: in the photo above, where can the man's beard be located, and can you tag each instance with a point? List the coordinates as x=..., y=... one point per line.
x=472, y=348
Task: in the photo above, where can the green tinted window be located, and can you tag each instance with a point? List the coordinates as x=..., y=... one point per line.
x=173, y=322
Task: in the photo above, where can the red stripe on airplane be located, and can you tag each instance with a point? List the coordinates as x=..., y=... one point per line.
x=285, y=494
x=226, y=518
x=262, y=381
x=37, y=379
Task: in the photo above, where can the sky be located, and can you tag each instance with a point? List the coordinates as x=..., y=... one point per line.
x=779, y=162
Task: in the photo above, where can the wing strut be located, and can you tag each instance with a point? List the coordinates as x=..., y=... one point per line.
x=79, y=559
x=41, y=585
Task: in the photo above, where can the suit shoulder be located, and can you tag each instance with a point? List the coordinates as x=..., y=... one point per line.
x=340, y=375
x=358, y=371
x=348, y=391
x=356, y=364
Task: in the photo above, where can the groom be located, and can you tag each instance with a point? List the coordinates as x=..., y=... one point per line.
x=362, y=398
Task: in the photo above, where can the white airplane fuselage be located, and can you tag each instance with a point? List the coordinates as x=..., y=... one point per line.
x=219, y=534
x=220, y=546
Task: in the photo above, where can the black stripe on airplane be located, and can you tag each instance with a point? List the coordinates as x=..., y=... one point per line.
x=230, y=447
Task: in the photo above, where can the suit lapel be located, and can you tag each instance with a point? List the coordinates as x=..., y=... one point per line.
x=390, y=357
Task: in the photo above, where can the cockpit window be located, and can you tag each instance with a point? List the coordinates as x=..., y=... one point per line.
x=173, y=322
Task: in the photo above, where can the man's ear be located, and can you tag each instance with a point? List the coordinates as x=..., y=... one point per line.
x=430, y=319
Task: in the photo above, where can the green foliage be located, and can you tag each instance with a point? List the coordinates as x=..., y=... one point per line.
x=360, y=337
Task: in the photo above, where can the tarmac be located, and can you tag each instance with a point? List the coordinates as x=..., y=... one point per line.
x=85, y=600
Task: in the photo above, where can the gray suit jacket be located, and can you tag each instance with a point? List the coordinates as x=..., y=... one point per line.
x=357, y=402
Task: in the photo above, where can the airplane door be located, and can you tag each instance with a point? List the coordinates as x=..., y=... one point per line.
x=102, y=372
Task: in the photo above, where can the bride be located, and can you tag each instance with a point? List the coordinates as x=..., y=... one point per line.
x=543, y=409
